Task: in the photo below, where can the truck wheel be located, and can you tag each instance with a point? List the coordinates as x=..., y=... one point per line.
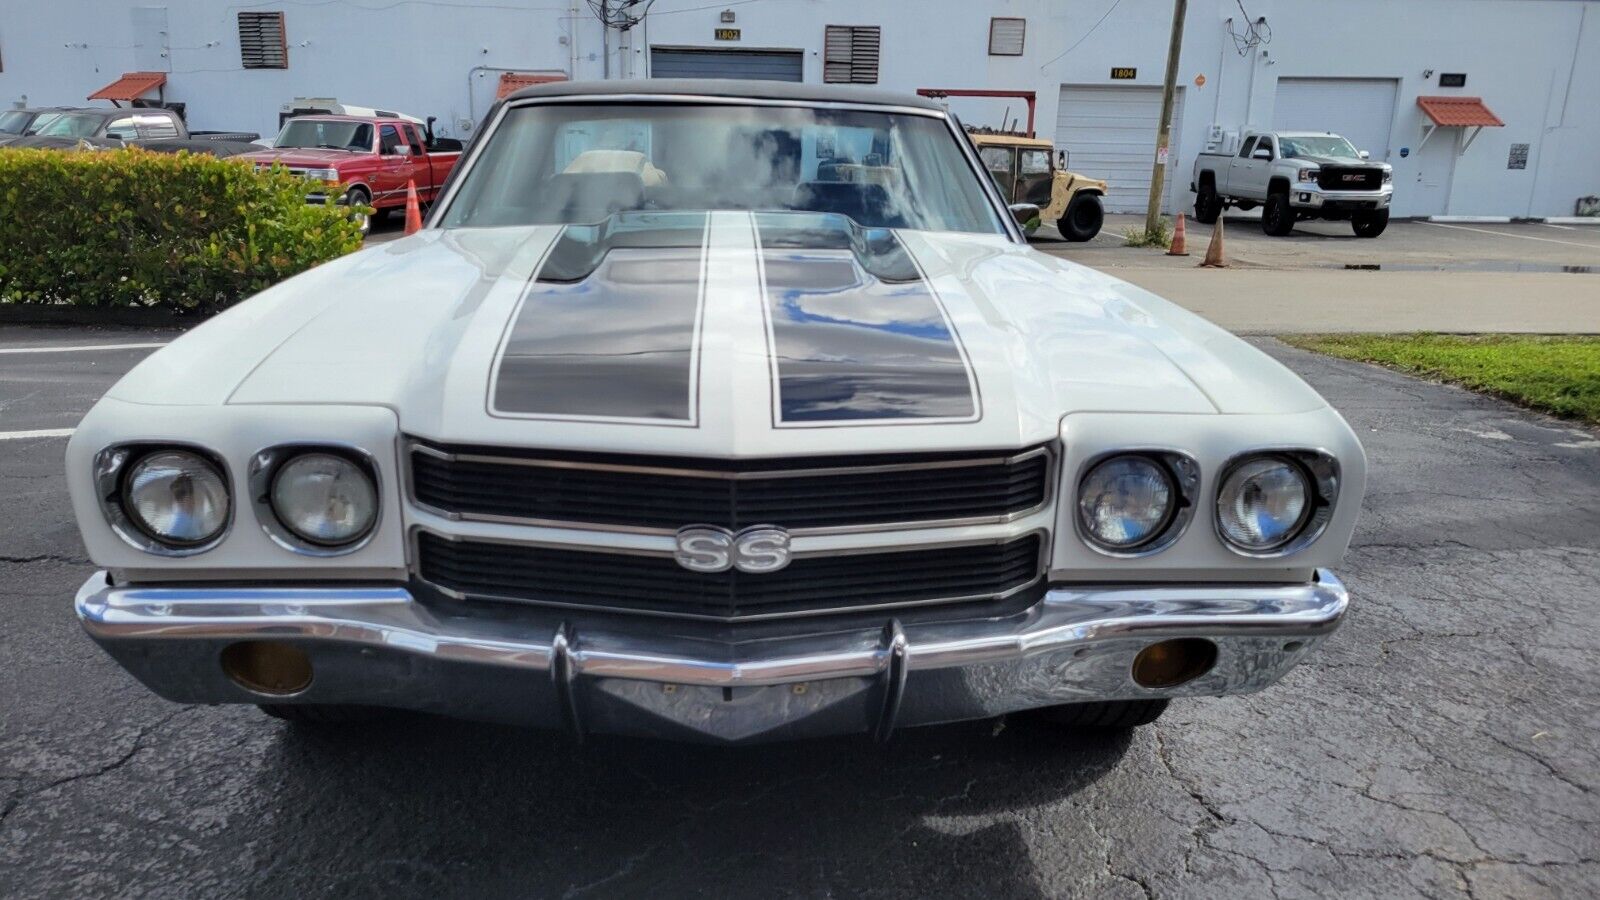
x=1370, y=224
x=1277, y=219
x=1113, y=715
x=359, y=197
x=1207, y=205
x=322, y=715
x=1083, y=218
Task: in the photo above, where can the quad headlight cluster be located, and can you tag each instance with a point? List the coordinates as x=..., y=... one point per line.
x=1267, y=504
x=176, y=500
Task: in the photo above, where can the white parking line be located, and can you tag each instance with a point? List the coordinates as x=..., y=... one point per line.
x=1522, y=237
x=81, y=348
x=36, y=433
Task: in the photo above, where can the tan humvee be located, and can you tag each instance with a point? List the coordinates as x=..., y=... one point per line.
x=1026, y=170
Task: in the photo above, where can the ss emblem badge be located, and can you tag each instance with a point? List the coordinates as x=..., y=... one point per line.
x=708, y=548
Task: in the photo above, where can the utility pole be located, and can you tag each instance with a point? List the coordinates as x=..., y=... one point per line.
x=1158, y=174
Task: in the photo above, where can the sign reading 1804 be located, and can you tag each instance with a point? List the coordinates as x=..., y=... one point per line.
x=1124, y=72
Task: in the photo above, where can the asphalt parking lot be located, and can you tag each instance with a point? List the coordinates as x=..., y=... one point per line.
x=1443, y=743
x=1406, y=245
x=1417, y=276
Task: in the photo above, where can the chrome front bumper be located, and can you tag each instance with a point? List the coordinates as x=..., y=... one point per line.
x=1309, y=196
x=545, y=667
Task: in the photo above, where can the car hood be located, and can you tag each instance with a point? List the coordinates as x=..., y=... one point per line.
x=300, y=157
x=725, y=335
x=1344, y=161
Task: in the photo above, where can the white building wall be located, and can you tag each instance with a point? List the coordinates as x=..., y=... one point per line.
x=1536, y=63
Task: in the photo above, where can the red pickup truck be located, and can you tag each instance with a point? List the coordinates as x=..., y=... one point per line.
x=363, y=161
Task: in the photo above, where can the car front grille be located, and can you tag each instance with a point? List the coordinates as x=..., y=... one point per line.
x=1342, y=178
x=665, y=494
x=487, y=571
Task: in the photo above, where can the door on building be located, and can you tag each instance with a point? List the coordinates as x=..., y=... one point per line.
x=1110, y=132
x=701, y=62
x=1427, y=193
x=1360, y=109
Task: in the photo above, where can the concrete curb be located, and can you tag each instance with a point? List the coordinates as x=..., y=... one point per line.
x=1506, y=220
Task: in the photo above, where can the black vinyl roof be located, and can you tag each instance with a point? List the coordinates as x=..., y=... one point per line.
x=728, y=87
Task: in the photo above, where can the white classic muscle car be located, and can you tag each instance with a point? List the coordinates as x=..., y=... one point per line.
x=720, y=411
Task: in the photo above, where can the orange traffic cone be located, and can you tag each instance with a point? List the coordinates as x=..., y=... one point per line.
x=1214, y=258
x=1180, y=244
x=413, y=209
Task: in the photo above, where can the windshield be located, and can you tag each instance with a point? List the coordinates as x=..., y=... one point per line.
x=324, y=134
x=70, y=125
x=13, y=122
x=570, y=163
x=1329, y=146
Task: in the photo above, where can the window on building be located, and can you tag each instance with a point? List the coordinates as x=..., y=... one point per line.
x=262, y=44
x=1006, y=36
x=850, y=54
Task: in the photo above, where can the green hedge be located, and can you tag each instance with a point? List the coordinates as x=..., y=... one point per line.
x=131, y=228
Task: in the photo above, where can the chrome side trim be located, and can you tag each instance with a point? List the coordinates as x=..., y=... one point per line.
x=1052, y=477
x=1042, y=568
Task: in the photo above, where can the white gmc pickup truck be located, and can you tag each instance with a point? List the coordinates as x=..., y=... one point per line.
x=1295, y=175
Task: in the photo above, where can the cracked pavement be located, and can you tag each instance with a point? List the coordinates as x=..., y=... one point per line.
x=1442, y=744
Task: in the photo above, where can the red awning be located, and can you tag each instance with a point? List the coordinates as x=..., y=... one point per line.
x=511, y=82
x=131, y=86
x=1459, y=112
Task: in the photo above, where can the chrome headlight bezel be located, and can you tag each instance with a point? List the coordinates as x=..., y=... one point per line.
x=1183, y=473
x=264, y=467
x=1307, y=174
x=1319, y=468
x=111, y=468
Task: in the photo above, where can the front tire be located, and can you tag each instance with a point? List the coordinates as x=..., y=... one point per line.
x=1370, y=224
x=1277, y=219
x=1109, y=715
x=359, y=197
x=1207, y=205
x=1083, y=218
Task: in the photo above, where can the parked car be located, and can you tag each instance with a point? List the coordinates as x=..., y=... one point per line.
x=365, y=161
x=15, y=123
x=1026, y=171
x=1295, y=175
x=732, y=453
x=112, y=127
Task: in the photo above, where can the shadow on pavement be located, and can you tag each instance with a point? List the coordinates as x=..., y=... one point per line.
x=489, y=811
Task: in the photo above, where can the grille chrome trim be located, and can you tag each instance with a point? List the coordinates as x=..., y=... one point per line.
x=1051, y=478
x=1041, y=568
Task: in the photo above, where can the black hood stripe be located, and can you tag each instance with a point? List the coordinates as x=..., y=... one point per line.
x=609, y=327
x=856, y=333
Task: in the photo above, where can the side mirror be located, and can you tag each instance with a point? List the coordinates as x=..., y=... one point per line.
x=1025, y=213
x=1262, y=153
x=1363, y=154
x=1061, y=159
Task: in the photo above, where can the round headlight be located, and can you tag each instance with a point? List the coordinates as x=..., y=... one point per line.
x=1263, y=503
x=177, y=498
x=1125, y=502
x=324, y=499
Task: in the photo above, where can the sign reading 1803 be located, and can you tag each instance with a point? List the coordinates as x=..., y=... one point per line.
x=1124, y=72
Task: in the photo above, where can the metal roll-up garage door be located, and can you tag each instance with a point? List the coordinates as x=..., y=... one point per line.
x=763, y=65
x=1360, y=109
x=1110, y=130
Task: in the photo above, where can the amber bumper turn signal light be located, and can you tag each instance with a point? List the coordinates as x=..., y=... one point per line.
x=1168, y=664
